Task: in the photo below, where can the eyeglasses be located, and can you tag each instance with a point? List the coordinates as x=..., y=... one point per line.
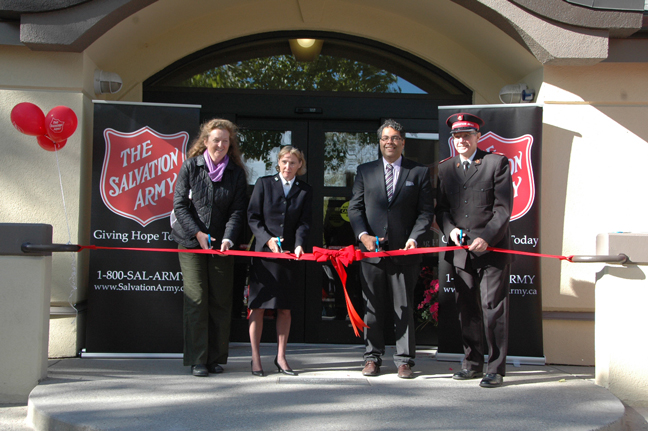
x=386, y=139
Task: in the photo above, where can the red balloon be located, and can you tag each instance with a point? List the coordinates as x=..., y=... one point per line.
x=28, y=119
x=48, y=145
x=60, y=123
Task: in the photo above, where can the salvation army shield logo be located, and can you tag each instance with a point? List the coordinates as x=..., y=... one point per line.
x=56, y=125
x=518, y=152
x=139, y=172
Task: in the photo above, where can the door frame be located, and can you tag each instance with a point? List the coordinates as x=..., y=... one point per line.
x=317, y=111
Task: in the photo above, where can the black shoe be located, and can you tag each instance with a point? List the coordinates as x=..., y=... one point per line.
x=286, y=371
x=259, y=373
x=214, y=368
x=467, y=374
x=199, y=370
x=492, y=380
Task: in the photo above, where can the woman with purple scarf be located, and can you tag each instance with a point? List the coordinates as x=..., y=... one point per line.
x=209, y=204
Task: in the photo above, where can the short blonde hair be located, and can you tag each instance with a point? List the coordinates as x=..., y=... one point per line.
x=289, y=149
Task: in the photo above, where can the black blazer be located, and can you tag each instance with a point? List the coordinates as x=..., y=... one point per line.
x=480, y=203
x=408, y=215
x=271, y=214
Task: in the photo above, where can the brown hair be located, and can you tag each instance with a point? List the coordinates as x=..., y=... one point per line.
x=198, y=146
x=289, y=149
x=391, y=124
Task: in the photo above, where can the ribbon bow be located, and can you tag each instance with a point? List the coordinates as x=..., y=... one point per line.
x=339, y=259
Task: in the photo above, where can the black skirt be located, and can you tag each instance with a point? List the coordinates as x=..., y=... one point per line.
x=273, y=283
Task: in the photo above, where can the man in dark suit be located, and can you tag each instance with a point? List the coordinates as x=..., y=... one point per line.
x=474, y=202
x=391, y=207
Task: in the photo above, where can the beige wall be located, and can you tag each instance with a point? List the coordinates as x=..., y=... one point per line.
x=587, y=111
x=621, y=296
x=24, y=296
x=594, y=128
x=481, y=56
x=32, y=190
x=568, y=341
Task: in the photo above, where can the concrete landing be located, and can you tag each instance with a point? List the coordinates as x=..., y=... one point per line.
x=330, y=393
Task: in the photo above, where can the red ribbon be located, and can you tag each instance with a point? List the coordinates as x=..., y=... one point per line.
x=339, y=259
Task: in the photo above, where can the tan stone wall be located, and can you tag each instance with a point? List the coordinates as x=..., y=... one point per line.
x=32, y=190
x=480, y=56
x=621, y=296
x=24, y=288
x=594, y=126
x=568, y=342
x=594, y=129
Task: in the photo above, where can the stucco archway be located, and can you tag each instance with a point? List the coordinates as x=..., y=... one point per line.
x=166, y=31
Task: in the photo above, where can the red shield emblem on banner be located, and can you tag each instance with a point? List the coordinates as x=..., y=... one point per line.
x=139, y=173
x=518, y=152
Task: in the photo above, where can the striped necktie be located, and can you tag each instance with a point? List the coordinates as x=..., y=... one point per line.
x=389, y=181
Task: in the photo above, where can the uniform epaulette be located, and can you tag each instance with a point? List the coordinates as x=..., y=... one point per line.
x=445, y=160
x=498, y=153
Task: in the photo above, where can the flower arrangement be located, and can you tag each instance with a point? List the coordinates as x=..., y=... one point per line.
x=428, y=309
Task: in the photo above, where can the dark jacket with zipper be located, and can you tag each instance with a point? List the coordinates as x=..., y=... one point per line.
x=214, y=208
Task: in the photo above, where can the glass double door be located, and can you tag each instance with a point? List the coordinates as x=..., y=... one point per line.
x=333, y=150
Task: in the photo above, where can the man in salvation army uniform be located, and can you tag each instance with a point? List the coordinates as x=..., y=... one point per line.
x=474, y=203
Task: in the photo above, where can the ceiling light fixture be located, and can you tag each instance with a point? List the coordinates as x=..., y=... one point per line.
x=306, y=50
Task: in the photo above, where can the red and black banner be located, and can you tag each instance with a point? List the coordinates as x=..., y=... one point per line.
x=515, y=131
x=135, y=299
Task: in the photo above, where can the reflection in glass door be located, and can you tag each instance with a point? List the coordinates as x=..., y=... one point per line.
x=337, y=148
x=343, y=152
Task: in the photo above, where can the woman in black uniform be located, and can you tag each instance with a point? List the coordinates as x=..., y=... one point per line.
x=279, y=215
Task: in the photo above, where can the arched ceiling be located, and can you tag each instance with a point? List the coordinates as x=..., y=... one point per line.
x=473, y=50
x=483, y=43
x=72, y=25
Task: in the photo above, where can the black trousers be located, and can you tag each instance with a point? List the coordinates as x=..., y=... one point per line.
x=389, y=288
x=207, y=310
x=482, y=296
